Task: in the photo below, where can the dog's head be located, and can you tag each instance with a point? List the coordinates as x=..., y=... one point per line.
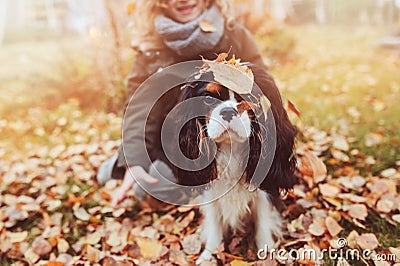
x=228, y=117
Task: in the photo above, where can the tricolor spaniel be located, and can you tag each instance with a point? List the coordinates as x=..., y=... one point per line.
x=239, y=139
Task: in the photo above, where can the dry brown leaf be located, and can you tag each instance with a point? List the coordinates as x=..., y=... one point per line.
x=178, y=258
x=17, y=236
x=92, y=254
x=293, y=108
x=207, y=26
x=236, y=77
x=388, y=172
x=358, y=211
x=149, y=248
x=62, y=245
x=317, y=228
x=191, y=244
x=187, y=220
x=221, y=57
x=396, y=252
x=31, y=256
x=384, y=206
x=340, y=143
x=333, y=226
x=367, y=241
x=328, y=190
x=93, y=239
x=82, y=214
x=41, y=246
x=311, y=165
x=352, y=239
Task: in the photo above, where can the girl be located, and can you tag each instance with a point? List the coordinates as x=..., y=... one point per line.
x=169, y=32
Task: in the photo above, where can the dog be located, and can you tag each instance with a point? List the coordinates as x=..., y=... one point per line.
x=239, y=139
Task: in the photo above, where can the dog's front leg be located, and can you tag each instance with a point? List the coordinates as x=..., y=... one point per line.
x=212, y=232
x=267, y=221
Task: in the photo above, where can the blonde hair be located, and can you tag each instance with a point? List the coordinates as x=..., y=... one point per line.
x=147, y=10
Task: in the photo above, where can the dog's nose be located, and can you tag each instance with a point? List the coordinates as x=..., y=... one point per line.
x=227, y=113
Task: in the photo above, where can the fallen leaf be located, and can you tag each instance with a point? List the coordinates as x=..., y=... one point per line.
x=396, y=252
x=17, y=236
x=388, y=172
x=207, y=26
x=328, y=190
x=92, y=254
x=240, y=263
x=293, y=108
x=82, y=214
x=340, y=143
x=41, y=246
x=352, y=239
x=333, y=227
x=317, y=228
x=149, y=248
x=384, y=206
x=311, y=165
x=191, y=244
x=93, y=239
x=54, y=263
x=31, y=256
x=62, y=245
x=358, y=211
x=367, y=241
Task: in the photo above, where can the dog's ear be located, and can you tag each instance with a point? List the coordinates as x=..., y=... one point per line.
x=281, y=173
x=193, y=144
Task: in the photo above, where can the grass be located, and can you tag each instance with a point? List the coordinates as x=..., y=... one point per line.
x=341, y=82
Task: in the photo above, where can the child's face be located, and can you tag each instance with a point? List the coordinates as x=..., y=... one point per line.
x=184, y=11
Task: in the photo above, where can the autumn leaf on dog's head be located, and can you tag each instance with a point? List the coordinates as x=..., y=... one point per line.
x=245, y=106
x=237, y=78
x=207, y=26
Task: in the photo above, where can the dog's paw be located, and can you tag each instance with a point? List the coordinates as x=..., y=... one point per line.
x=205, y=255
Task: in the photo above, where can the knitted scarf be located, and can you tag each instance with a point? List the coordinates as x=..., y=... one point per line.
x=189, y=39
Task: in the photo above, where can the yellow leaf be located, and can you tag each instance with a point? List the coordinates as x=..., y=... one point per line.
x=240, y=263
x=131, y=7
x=207, y=26
x=149, y=248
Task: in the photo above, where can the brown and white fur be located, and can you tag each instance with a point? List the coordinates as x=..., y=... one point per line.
x=230, y=202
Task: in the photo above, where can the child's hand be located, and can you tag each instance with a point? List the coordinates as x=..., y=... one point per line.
x=133, y=173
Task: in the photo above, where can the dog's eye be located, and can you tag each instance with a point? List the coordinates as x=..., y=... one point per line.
x=209, y=100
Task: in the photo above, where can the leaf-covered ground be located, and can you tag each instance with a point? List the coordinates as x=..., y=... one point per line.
x=52, y=211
